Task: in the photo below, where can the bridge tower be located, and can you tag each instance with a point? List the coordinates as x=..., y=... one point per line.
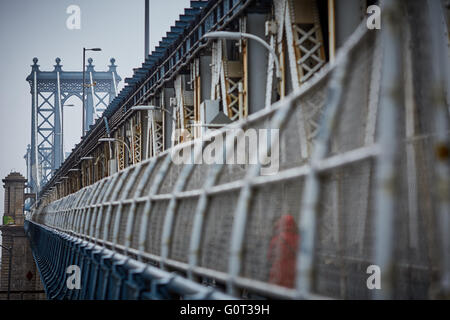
x=49, y=92
x=25, y=282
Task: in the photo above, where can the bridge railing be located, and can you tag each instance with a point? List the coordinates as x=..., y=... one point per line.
x=104, y=274
x=354, y=188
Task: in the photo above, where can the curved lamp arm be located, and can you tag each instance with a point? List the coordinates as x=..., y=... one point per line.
x=239, y=35
x=115, y=140
x=124, y=143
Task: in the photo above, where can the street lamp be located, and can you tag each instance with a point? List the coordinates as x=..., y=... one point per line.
x=153, y=108
x=88, y=173
x=79, y=182
x=84, y=83
x=115, y=140
x=238, y=36
x=9, y=249
x=120, y=141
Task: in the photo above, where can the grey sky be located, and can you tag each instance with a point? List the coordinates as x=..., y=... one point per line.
x=30, y=28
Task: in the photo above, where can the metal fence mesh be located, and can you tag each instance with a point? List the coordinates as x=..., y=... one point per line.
x=215, y=248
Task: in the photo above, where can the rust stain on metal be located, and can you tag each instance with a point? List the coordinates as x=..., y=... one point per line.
x=442, y=152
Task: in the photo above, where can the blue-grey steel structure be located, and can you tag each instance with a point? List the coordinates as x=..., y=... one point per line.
x=355, y=171
x=49, y=92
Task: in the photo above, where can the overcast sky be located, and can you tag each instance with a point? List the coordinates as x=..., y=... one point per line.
x=30, y=28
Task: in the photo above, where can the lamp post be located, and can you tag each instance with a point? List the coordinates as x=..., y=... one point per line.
x=238, y=36
x=78, y=176
x=81, y=176
x=115, y=140
x=9, y=249
x=155, y=108
x=84, y=83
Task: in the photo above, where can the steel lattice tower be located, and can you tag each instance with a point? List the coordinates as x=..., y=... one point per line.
x=49, y=92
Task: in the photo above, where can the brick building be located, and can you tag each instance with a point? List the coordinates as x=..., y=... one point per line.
x=25, y=281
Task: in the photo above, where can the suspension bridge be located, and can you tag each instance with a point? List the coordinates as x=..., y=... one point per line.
x=363, y=175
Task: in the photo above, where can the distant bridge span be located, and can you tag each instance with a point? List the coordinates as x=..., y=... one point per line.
x=363, y=164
